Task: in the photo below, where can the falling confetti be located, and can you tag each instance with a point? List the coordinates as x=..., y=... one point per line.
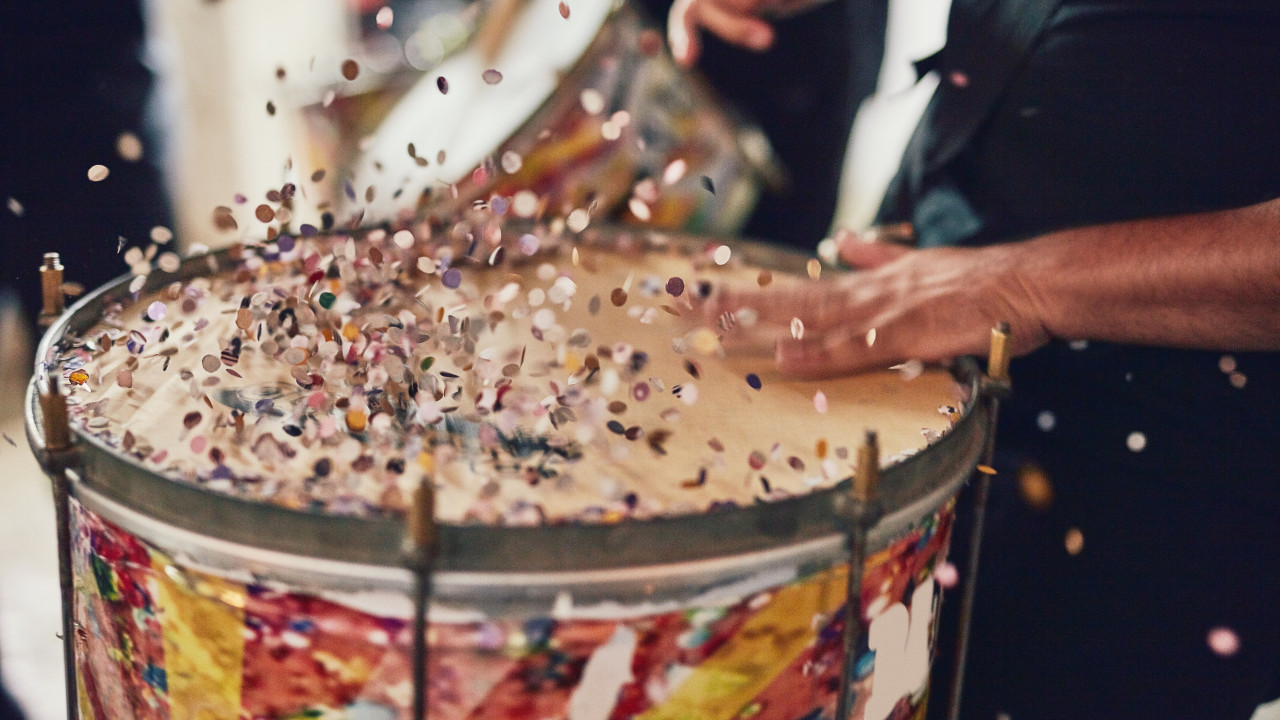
x=871, y=337
x=813, y=268
x=1223, y=641
x=1074, y=541
x=384, y=18
x=722, y=254
x=1046, y=420
x=578, y=220
x=350, y=69
x=708, y=185
x=564, y=10
x=592, y=101
x=128, y=147
x=98, y=173
x=820, y=401
x=797, y=328
x=16, y=208
x=9, y=439
x=1136, y=441
x=443, y=86
x=754, y=381
x=674, y=171
x=491, y=77
x=1034, y=487
x=946, y=575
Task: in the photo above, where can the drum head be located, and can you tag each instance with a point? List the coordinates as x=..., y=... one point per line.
x=297, y=397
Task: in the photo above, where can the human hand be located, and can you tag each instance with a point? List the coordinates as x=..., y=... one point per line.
x=735, y=21
x=901, y=304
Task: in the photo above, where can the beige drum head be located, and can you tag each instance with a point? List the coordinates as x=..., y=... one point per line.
x=579, y=383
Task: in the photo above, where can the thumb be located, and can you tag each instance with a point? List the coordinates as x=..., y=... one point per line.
x=866, y=250
x=682, y=32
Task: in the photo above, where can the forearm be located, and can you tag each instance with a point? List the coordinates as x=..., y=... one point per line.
x=1209, y=280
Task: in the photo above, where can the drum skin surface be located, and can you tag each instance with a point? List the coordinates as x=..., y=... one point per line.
x=193, y=601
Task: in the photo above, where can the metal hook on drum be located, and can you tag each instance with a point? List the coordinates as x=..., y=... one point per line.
x=993, y=387
x=862, y=509
x=421, y=543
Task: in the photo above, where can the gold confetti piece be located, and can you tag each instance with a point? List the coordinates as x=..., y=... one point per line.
x=814, y=268
x=128, y=147
x=98, y=173
x=1074, y=541
x=986, y=470
x=1034, y=487
x=78, y=377
x=244, y=318
x=357, y=420
x=704, y=341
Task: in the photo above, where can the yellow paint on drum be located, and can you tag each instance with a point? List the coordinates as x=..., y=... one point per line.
x=759, y=651
x=203, y=646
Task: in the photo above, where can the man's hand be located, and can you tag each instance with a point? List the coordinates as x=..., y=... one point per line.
x=735, y=21
x=902, y=304
x=1208, y=280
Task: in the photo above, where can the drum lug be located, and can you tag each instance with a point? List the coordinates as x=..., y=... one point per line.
x=54, y=302
x=61, y=461
x=993, y=387
x=995, y=383
x=421, y=545
x=861, y=508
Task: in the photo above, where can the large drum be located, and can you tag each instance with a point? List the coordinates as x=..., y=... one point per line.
x=631, y=521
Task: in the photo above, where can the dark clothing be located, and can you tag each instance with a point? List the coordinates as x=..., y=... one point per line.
x=1108, y=111
x=72, y=81
x=803, y=93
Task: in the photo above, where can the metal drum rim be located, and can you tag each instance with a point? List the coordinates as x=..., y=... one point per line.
x=911, y=489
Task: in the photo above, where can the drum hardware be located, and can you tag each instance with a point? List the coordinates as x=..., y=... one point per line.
x=421, y=544
x=862, y=509
x=51, y=289
x=993, y=386
x=60, y=460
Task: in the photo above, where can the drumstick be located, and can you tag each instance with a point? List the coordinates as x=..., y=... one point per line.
x=496, y=26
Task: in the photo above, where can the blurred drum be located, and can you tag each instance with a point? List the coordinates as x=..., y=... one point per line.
x=580, y=110
x=633, y=523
